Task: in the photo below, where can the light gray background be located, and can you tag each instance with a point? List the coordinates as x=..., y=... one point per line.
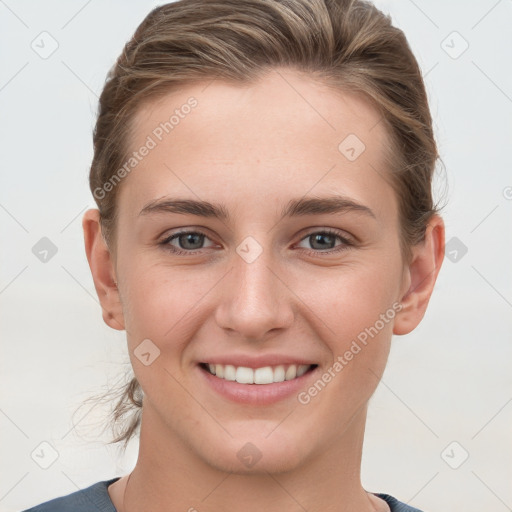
x=450, y=380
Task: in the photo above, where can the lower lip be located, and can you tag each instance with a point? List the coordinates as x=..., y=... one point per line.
x=256, y=394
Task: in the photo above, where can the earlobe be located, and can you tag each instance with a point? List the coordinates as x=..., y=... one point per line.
x=421, y=275
x=103, y=270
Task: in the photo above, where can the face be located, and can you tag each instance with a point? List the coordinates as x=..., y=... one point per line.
x=291, y=274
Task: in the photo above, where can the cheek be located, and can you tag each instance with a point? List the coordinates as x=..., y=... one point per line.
x=358, y=307
x=159, y=305
x=352, y=299
x=163, y=303
x=160, y=302
x=359, y=314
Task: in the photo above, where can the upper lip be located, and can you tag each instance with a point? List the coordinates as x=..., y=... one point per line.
x=251, y=361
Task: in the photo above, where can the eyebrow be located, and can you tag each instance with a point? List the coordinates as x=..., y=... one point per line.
x=334, y=204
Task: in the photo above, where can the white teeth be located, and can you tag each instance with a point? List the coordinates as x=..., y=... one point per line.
x=264, y=375
x=229, y=372
x=279, y=374
x=244, y=375
x=291, y=372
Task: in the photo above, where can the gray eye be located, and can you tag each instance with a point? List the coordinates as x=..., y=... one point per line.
x=321, y=240
x=190, y=240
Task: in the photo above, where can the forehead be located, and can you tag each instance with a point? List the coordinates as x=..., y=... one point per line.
x=285, y=133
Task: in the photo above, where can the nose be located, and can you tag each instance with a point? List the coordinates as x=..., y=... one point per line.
x=255, y=299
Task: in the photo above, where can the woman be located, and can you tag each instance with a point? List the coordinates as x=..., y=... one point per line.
x=265, y=223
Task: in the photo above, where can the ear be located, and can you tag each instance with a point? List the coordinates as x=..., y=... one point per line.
x=420, y=277
x=103, y=270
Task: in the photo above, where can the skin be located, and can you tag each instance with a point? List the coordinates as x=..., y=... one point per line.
x=253, y=148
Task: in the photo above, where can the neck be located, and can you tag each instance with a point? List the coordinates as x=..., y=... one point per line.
x=169, y=473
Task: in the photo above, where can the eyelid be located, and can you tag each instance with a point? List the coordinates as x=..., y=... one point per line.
x=167, y=238
x=347, y=240
x=344, y=235
x=169, y=233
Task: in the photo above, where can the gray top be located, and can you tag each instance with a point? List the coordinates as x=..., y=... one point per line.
x=96, y=499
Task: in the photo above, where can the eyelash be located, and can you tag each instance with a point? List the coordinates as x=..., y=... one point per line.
x=346, y=244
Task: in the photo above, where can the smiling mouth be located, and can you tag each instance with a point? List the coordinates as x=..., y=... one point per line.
x=263, y=375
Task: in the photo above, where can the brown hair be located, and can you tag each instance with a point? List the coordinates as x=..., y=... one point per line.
x=348, y=44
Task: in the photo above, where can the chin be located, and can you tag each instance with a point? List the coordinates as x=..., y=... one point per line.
x=256, y=454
